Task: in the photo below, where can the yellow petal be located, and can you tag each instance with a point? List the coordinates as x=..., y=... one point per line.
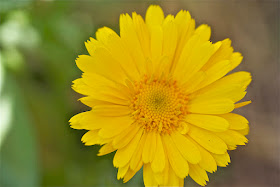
x=233, y=92
x=142, y=33
x=158, y=162
x=100, y=94
x=111, y=131
x=104, y=88
x=244, y=131
x=181, y=58
x=156, y=41
x=181, y=182
x=123, y=156
x=159, y=177
x=137, y=155
x=239, y=105
x=92, y=102
x=193, y=58
x=204, y=32
x=222, y=160
x=92, y=138
x=80, y=121
x=125, y=137
x=210, y=106
x=82, y=88
x=165, y=172
x=162, y=177
x=236, y=121
x=102, y=63
x=169, y=38
x=161, y=67
x=242, y=77
x=131, y=42
x=129, y=174
x=177, y=162
x=208, y=140
x=117, y=49
x=148, y=176
x=207, y=161
x=217, y=71
x=112, y=110
x=192, y=84
x=232, y=138
x=209, y=122
x=154, y=16
x=198, y=174
x=90, y=121
x=122, y=171
x=184, y=127
x=230, y=148
x=91, y=45
x=186, y=27
x=113, y=128
x=173, y=179
x=149, y=147
x=139, y=166
x=232, y=86
x=223, y=53
x=235, y=59
x=106, y=149
x=102, y=34
x=188, y=150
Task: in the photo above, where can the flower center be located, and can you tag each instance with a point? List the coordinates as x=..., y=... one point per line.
x=159, y=105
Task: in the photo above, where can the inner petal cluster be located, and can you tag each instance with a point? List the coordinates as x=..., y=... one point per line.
x=159, y=105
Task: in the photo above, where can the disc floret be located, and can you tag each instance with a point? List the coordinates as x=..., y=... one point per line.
x=159, y=105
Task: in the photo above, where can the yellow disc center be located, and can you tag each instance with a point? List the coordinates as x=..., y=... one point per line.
x=159, y=105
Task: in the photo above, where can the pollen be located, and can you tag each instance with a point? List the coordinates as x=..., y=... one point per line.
x=159, y=105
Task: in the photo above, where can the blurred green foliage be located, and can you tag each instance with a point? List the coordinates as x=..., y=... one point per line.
x=39, y=43
x=19, y=159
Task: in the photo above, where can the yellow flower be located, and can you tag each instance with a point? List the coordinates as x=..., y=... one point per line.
x=159, y=97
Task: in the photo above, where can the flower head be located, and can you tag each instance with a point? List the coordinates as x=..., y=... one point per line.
x=161, y=98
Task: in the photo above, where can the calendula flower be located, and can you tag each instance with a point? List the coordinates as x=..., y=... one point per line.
x=161, y=98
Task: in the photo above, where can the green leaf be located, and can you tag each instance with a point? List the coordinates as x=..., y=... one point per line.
x=7, y=5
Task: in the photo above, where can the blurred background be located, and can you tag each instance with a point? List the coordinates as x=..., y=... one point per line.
x=39, y=41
